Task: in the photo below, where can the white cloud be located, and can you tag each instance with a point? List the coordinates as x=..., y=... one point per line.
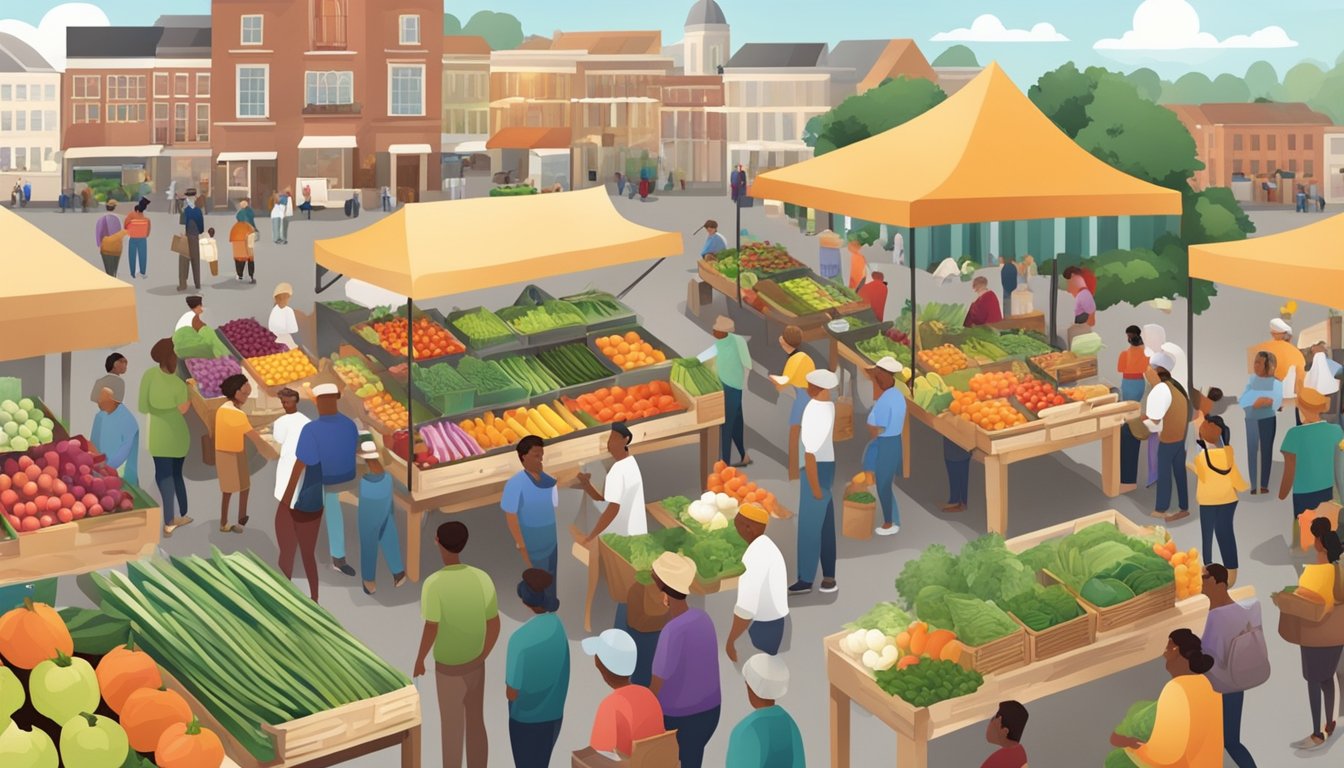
x=988, y=29
x=48, y=37
x=1173, y=25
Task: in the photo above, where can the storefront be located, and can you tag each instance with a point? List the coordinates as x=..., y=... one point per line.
x=326, y=168
x=244, y=174
x=113, y=173
x=409, y=167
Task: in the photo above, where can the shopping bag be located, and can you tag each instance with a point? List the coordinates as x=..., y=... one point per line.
x=180, y=246
x=112, y=244
x=844, y=419
x=1329, y=510
x=857, y=518
x=214, y=268
x=1023, y=301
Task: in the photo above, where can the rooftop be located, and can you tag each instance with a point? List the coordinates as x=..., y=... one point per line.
x=705, y=12
x=466, y=45
x=18, y=56
x=185, y=42
x=1259, y=113
x=778, y=56
x=112, y=42
x=637, y=43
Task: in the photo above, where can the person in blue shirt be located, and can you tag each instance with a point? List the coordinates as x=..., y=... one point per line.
x=885, y=423
x=768, y=737
x=330, y=442
x=536, y=674
x=117, y=435
x=714, y=242
x=958, y=463
x=1008, y=273
x=529, y=502
x=193, y=223
x=377, y=528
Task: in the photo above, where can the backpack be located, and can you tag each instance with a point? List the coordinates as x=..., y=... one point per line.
x=1246, y=663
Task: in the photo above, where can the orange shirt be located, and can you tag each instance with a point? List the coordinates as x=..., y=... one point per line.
x=858, y=266
x=627, y=715
x=231, y=427
x=1133, y=363
x=1189, y=728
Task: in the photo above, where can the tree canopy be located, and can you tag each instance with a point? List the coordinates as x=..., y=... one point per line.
x=956, y=56
x=872, y=112
x=502, y=31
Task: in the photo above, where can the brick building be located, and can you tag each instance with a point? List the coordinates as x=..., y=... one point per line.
x=336, y=95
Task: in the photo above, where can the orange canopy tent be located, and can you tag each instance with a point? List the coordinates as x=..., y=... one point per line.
x=1306, y=263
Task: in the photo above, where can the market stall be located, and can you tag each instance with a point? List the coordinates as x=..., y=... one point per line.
x=978, y=157
x=1055, y=637
x=469, y=383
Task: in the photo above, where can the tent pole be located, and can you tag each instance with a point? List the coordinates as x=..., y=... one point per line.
x=410, y=387
x=914, y=307
x=66, y=360
x=1190, y=333
x=737, y=231
x=1054, y=298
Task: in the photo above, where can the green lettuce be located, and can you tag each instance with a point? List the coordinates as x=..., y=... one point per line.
x=886, y=617
x=977, y=622
x=934, y=566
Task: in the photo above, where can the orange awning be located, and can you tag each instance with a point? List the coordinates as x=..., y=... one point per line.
x=985, y=154
x=1306, y=264
x=52, y=300
x=529, y=138
x=427, y=250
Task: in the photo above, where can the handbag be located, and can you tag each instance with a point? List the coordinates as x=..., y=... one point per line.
x=1138, y=429
x=180, y=246
x=112, y=244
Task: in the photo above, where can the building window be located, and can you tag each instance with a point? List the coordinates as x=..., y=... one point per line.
x=125, y=113
x=253, y=97
x=85, y=113
x=1292, y=141
x=1308, y=140
x=182, y=84
x=179, y=122
x=410, y=29
x=330, y=87
x=1273, y=142
x=21, y=158
x=328, y=24
x=1292, y=165
x=6, y=121
x=406, y=90
x=1255, y=142
x=48, y=93
x=20, y=93
x=6, y=93
x=1255, y=167
x=49, y=119
x=1237, y=142
x=1309, y=168
x=160, y=123
x=35, y=120
x=202, y=122
x=20, y=120
x=125, y=87
x=251, y=34
x=334, y=165
x=160, y=85
x=202, y=84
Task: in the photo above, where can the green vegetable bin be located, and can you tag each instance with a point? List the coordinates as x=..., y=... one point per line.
x=564, y=333
x=624, y=318
x=509, y=343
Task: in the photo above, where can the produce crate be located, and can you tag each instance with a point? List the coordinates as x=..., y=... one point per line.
x=1061, y=638
x=1150, y=603
x=58, y=430
x=855, y=335
x=376, y=351
x=621, y=576
x=84, y=545
x=508, y=344
x=1071, y=368
x=1006, y=653
x=320, y=377
x=544, y=338
x=721, y=282
x=780, y=301
x=644, y=334
x=627, y=316
x=309, y=739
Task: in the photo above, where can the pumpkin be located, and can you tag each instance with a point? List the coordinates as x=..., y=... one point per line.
x=33, y=633
x=188, y=745
x=123, y=671
x=147, y=713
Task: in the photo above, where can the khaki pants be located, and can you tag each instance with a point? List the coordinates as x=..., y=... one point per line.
x=461, y=691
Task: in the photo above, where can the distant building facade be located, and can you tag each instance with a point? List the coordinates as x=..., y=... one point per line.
x=771, y=91
x=30, y=120
x=1333, y=183
x=466, y=104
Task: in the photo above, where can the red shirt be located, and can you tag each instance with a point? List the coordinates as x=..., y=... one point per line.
x=1007, y=757
x=984, y=310
x=628, y=714
x=875, y=293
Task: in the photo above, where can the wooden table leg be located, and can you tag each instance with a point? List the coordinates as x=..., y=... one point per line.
x=415, y=519
x=410, y=749
x=996, y=495
x=1110, y=463
x=835, y=354
x=911, y=752
x=840, y=729
x=594, y=572
x=708, y=437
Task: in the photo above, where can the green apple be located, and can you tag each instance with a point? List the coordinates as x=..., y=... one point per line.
x=63, y=687
x=12, y=695
x=27, y=749
x=93, y=741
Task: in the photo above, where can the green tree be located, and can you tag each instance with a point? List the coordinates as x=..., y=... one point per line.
x=1190, y=88
x=1147, y=82
x=1302, y=82
x=868, y=114
x=502, y=31
x=1229, y=88
x=1329, y=97
x=1137, y=136
x=451, y=25
x=956, y=56
x=1064, y=94
x=1261, y=79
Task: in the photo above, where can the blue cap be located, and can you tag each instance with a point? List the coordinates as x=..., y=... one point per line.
x=615, y=649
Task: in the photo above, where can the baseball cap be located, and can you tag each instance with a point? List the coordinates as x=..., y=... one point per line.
x=890, y=364
x=823, y=378
x=1279, y=325
x=322, y=390
x=615, y=649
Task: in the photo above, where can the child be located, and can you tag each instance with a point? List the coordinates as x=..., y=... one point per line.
x=209, y=251
x=377, y=527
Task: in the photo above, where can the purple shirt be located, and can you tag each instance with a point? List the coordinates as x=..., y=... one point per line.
x=108, y=224
x=1223, y=624
x=687, y=661
x=1084, y=303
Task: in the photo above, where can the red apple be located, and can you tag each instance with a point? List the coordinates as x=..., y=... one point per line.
x=25, y=462
x=126, y=504
x=78, y=510
x=52, y=459
x=65, y=515
x=96, y=510
x=89, y=500
x=53, y=503
x=67, y=500
x=14, y=521
x=46, y=521
x=32, y=471
x=29, y=490
x=29, y=524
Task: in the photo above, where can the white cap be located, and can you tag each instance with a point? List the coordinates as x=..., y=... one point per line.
x=615, y=649
x=823, y=378
x=767, y=676
x=890, y=364
x=325, y=389
x=367, y=450
x=1277, y=325
x=1163, y=360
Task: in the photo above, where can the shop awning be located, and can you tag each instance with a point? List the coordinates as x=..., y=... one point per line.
x=139, y=150
x=985, y=154
x=530, y=138
x=409, y=149
x=1303, y=264
x=226, y=157
x=427, y=250
x=328, y=142
x=55, y=301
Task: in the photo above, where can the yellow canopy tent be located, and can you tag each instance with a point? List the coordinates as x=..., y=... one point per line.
x=426, y=250
x=985, y=154
x=1306, y=263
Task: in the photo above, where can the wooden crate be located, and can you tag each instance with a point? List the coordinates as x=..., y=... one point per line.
x=621, y=576
x=1000, y=655
x=1071, y=368
x=311, y=738
x=720, y=282
x=1061, y=638
x=84, y=545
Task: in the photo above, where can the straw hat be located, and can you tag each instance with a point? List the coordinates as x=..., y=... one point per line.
x=724, y=324
x=675, y=571
x=1309, y=399
x=283, y=288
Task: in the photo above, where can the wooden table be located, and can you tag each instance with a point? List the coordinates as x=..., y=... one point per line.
x=1100, y=419
x=1113, y=652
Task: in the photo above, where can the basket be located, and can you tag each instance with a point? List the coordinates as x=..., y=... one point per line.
x=856, y=517
x=1295, y=605
x=503, y=344
x=1150, y=603
x=1061, y=638
x=1007, y=653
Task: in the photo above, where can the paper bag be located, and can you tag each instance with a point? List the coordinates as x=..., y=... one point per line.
x=180, y=246
x=112, y=244
x=844, y=419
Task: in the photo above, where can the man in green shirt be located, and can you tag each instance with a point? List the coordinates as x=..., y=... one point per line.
x=536, y=674
x=461, y=614
x=768, y=737
x=1309, y=456
x=732, y=360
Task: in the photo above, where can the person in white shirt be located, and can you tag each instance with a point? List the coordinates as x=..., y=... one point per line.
x=625, y=514
x=816, y=507
x=1166, y=413
x=195, y=307
x=1155, y=341
x=210, y=251
x=283, y=323
x=762, y=592
x=286, y=431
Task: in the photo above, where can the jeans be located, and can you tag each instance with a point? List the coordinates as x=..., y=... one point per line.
x=168, y=477
x=533, y=743
x=1171, y=465
x=1232, y=704
x=889, y=463
x=542, y=552
x=1216, y=519
x=693, y=733
x=816, y=525
x=275, y=228
x=646, y=645
x=378, y=530
x=139, y=247
x=1129, y=457
x=331, y=507
x=1260, y=442
x=284, y=230
x=190, y=263
x=1152, y=460
x=767, y=636
x=958, y=481
x=732, y=430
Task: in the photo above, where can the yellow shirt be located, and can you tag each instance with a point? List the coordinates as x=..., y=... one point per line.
x=1320, y=578
x=1212, y=487
x=796, y=369
x=1188, y=732
x=231, y=426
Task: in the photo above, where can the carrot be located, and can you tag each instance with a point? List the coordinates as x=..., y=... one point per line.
x=903, y=642
x=908, y=661
x=919, y=638
x=937, y=639
x=952, y=651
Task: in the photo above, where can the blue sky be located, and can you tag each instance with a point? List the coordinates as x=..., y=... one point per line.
x=1313, y=25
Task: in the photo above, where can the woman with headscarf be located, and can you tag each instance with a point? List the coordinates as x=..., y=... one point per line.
x=1217, y=483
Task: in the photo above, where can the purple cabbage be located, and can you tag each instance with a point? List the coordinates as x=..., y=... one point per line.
x=250, y=338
